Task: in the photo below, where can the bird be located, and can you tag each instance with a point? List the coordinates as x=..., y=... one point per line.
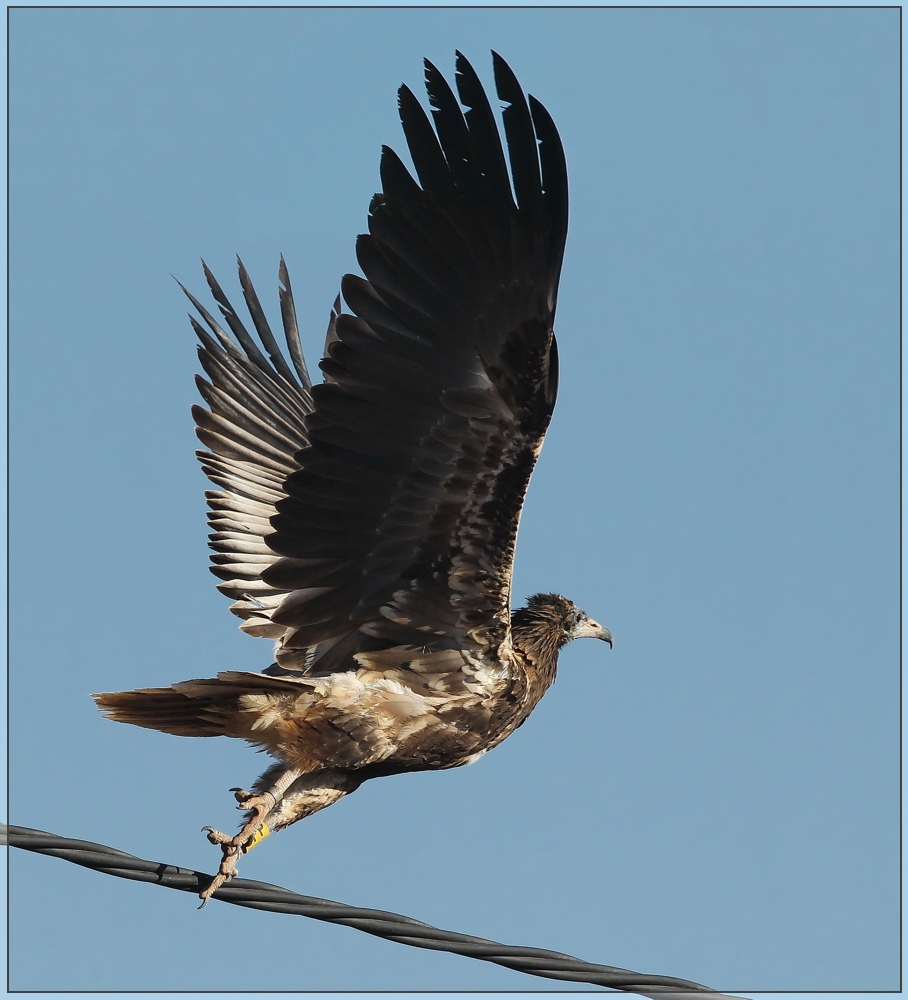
x=366, y=524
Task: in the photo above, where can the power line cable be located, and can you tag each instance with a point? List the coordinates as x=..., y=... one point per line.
x=391, y=926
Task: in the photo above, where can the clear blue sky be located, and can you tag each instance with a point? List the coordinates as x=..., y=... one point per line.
x=717, y=797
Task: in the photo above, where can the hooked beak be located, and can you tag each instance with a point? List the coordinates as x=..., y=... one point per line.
x=593, y=630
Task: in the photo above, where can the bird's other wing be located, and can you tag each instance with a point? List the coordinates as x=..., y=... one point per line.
x=253, y=428
x=397, y=534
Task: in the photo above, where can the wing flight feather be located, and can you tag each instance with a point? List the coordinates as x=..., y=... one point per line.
x=375, y=514
x=441, y=386
x=253, y=427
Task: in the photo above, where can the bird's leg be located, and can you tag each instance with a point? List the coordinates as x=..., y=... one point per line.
x=259, y=805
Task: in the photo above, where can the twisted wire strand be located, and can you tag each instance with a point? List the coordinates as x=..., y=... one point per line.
x=391, y=926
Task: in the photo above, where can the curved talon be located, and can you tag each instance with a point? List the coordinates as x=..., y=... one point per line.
x=216, y=837
x=213, y=887
x=255, y=802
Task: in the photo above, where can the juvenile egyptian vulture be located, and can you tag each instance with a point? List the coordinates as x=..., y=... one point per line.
x=367, y=524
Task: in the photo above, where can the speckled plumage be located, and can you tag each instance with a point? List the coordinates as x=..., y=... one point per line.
x=367, y=524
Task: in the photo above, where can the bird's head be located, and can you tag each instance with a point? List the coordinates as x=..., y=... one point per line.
x=560, y=618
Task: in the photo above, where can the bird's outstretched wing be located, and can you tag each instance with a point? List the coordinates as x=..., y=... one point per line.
x=253, y=429
x=397, y=518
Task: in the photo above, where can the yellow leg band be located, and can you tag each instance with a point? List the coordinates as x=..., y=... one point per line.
x=260, y=835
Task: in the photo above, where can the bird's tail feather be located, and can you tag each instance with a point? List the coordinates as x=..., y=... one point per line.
x=204, y=707
x=160, y=708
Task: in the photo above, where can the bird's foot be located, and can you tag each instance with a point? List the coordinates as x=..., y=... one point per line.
x=231, y=852
x=257, y=805
x=216, y=837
